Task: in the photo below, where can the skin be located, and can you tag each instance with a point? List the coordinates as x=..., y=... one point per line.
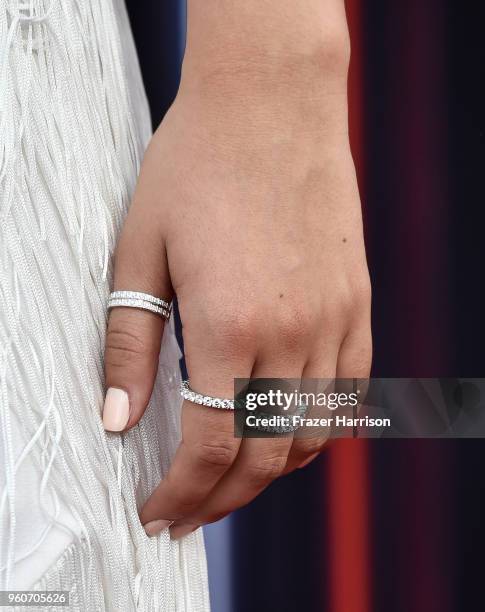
x=247, y=208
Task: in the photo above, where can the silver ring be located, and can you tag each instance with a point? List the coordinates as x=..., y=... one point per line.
x=281, y=429
x=137, y=299
x=204, y=400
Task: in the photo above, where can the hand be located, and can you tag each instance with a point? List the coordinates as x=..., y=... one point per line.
x=247, y=208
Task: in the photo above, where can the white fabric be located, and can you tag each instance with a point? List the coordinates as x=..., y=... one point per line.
x=73, y=126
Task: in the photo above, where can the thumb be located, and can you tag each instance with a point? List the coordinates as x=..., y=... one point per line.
x=134, y=336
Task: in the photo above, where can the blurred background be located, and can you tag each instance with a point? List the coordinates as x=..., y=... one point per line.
x=383, y=525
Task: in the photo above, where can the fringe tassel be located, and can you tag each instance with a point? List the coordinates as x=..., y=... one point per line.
x=72, y=132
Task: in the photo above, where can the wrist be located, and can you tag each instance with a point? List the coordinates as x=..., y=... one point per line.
x=266, y=49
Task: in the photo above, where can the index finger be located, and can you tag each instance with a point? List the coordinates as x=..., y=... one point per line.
x=208, y=448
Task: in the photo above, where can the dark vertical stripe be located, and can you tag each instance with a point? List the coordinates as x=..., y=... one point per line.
x=408, y=209
x=418, y=106
x=159, y=32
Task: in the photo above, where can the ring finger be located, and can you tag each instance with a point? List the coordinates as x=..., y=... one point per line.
x=258, y=463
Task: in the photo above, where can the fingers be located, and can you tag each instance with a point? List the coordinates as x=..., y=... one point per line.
x=258, y=463
x=207, y=451
x=355, y=356
x=134, y=336
x=322, y=365
x=212, y=472
x=259, y=460
x=208, y=447
x=347, y=354
x=353, y=361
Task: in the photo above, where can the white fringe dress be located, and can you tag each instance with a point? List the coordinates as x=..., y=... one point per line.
x=73, y=126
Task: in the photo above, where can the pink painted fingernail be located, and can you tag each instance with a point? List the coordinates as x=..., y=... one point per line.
x=153, y=528
x=116, y=409
x=179, y=531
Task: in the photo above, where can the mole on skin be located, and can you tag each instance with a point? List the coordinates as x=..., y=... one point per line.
x=344, y=240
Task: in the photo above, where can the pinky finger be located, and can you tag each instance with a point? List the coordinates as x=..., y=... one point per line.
x=355, y=355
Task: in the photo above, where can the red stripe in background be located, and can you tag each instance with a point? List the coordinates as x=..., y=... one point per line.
x=349, y=561
x=347, y=474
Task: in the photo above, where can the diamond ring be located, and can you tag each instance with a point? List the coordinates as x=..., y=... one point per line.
x=204, y=400
x=137, y=299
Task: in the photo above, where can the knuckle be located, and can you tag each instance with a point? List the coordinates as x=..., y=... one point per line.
x=293, y=324
x=123, y=346
x=334, y=312
x=309, y=446
x=183, y=499
x=217, y=455
x=349, y=298
x=360, y=362
x=362, y=292
x=236, y=328
x=265, y=470
x=366, y=355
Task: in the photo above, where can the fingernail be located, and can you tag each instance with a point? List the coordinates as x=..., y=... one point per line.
x=153, y=528
x=116, y=409
x=179, y=531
